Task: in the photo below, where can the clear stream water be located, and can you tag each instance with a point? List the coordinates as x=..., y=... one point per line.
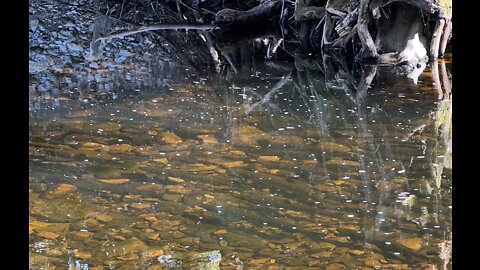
x=265, y=170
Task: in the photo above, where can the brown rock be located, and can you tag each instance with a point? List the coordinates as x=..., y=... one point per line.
x=333, y=147
x=104, y=218
x=324, y=254
x=54, y=252
x=92, y=145
x=230, y=164
x=342, y=162
x=342, y=239
x=200, y=167
x=310, y=162
x=323, y=245
x=82, y=254
x=140, y=205
x=151, y=187
x=160, y=160
x=356, y=252
x=114, y=181
x=131, y=245
x=175, y=179
x=326, y=188
x=335, y=266
x=238, y=153
x=372, y=262
x=207, y=138
x=107, y=126
x=82, y=235
x=132, y=196
x=259, y=261
x=149, y=217
x=413, y=243
x=172, y=197
x=37, y=259
x=91, y=223
x=128, y=257
x=35, y=224
x=48, y=235
x=295, y=214
x=168, y=138
x=349, y=226
x=58, y=191
x=177, y=189
x=157, y=267
x=247, y=135
x=161, y=225
x=119, y=148
x=152, y=235
x=153, y=252
x=397, y=266
x=268, y=158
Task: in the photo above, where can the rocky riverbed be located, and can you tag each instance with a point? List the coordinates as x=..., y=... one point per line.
x=65, y=63
x=177, y=181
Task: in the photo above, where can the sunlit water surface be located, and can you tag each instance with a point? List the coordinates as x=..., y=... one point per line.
x=263, y=171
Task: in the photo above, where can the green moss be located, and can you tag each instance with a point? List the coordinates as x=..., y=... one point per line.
x=443, y=116
x=447, y=7
x=443, y=128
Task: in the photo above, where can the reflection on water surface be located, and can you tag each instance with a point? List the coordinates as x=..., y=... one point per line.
x=268, y=169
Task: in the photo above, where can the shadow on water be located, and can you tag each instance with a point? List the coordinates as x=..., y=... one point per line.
x=315, y=163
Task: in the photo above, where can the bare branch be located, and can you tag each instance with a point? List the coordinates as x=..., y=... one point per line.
x=147, y=28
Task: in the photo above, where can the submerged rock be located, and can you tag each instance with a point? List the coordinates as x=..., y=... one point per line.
x=153, y=252
x=103, y=218
x=168, y=138
x=130, y=246
x=115, y=181
x=48, y=235
x=59, y=191
x=247, y=135
x=207, y=138
x=413, y=243
x=333, y=147
x=268, y=158
x=120, y=148
x=82, y=254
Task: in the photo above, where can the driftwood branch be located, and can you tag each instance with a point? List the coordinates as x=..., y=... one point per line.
x=369, y=50
x=268, y=96
x=445, y=38
x=437, y=35
x=141, y=29
x=230, y=17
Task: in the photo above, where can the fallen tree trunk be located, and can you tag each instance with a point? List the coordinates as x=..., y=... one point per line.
x=230, y=18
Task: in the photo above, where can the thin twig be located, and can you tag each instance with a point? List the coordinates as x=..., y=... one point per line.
x=147, y=28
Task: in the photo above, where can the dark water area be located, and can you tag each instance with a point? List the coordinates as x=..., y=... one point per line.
x=265, y=169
